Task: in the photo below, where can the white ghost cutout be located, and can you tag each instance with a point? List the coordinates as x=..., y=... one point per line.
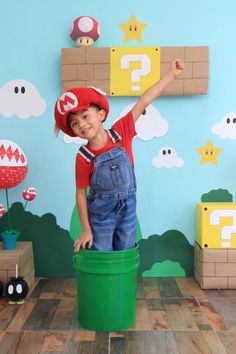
x=167, y=157
x=21, y=98
x=226, y=128
x=150, y=124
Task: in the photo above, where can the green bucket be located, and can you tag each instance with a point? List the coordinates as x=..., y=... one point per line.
x=106, y=289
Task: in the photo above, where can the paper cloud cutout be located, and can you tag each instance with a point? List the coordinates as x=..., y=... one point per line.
x=168, y=158
x=150, y=124
x=21, y=98
x=226, y=128
x=76, y=140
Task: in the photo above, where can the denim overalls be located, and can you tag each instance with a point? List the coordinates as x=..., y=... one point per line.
x=112, y=198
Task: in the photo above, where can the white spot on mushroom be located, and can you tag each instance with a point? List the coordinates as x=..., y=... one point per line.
x=85, y=24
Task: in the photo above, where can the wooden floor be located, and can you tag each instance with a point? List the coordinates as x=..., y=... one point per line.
x=173, y=316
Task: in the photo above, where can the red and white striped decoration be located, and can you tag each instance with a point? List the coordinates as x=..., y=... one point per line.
x=13, y=164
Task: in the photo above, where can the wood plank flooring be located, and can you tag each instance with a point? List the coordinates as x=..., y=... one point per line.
x=174, y=316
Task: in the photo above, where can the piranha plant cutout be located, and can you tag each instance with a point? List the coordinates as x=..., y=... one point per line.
x=13, y=169
x=85, y=31
x=29, y=194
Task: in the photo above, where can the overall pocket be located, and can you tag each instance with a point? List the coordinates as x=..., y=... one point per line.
x=113, y=174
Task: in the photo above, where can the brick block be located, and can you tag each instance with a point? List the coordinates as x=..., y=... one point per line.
x=102, y=72
x=213, y=269
x=196, y=54
x=97, y=55
x=214, y=283
x=232, y=283
x=231, y=255
x=206, y=269
x=66, y=85
x=73, y=56
x=225, y=269
x=195, y=87
x=168, y=54
x=175, y=88
x=85, y=72
x=214, y=255
x=4, y=276
x=200, y=70
x=69, y=72
x=102, y=84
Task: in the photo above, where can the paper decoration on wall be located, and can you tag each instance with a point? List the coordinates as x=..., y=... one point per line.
x=216, y=225
x=226, y=128
x=133, y=70
x=165, y=269
x=217, y=196
x=29, y=194
x=167, y=157
x=83, y=67
x=49, y=241
x=21, y=98
x=209, y=153
x=85, y=31
x=150, y=124
x=172, y=245
x=133, y=29
x=13, y=164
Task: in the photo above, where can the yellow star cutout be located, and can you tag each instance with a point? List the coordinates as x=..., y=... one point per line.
x=133, y=29
x=209, y=153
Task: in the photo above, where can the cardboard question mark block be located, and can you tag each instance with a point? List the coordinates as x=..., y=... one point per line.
x=216, y=225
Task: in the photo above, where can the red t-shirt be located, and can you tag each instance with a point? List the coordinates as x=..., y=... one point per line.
x=126, y=128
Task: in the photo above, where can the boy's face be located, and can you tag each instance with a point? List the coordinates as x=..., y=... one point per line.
x=86, y=124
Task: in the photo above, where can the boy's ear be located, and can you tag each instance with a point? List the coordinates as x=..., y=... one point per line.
x=102, y=114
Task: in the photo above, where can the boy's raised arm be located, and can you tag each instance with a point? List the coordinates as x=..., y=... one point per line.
x=154, y=91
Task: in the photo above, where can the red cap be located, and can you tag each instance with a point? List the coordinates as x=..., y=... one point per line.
x=77, y=99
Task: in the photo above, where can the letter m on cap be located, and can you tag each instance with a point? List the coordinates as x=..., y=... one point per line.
x=67, y=102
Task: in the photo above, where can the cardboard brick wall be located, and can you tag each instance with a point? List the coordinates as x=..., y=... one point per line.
x=215, y=268
x=86, y=66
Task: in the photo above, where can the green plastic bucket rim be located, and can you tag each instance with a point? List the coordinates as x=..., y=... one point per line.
x=116, y=254
x=97, y=262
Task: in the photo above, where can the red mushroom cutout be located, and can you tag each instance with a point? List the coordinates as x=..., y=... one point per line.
x=85, y=31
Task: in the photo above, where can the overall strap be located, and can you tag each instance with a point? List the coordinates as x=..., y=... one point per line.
x=115, y=137
x=86, y=154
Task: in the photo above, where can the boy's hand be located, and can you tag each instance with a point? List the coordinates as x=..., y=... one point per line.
x=177, y=67
x=81, y=242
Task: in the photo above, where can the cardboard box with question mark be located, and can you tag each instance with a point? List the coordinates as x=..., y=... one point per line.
x=216, y=225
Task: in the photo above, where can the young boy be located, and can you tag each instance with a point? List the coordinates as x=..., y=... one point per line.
x=105, y=163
